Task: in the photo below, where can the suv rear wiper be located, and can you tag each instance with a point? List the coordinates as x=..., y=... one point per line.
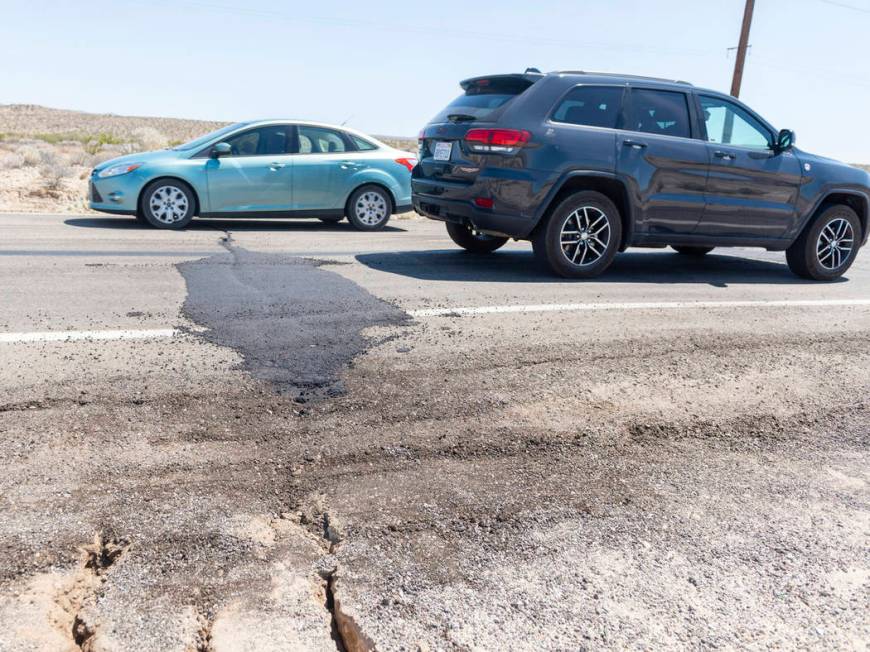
x=461, y=117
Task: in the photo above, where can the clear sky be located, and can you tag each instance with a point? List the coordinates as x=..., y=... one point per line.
x=387, y=66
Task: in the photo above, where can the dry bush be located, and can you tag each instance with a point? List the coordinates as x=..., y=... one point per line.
x=80, y=158
x=31, y=155
x=150, y=138
x=101, y=157
x=11, y=161
x=53, y=170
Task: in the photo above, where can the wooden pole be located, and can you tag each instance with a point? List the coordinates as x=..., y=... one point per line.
x=741, y=48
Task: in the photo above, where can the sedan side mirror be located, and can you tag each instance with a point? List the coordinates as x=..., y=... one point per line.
x=784, y=140
x=221, y=149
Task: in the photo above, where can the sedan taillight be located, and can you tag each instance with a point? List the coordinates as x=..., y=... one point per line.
x=496, y=141
x=407, y=162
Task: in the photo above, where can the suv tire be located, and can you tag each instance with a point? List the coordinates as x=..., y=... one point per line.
x=828, y=246
x=474, y=241
x=583, y=225
x=687, y=250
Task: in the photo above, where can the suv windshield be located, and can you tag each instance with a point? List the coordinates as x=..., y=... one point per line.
x=481, y=99
x=202, y=140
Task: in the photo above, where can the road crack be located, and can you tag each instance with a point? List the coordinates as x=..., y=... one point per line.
x=99, y=556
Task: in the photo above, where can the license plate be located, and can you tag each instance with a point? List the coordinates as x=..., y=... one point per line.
x=442, y=151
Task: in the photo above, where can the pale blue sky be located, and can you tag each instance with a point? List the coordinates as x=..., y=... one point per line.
x=388, y=66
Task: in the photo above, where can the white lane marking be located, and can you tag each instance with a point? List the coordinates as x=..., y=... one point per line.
x=642, y=305
x=72, y=336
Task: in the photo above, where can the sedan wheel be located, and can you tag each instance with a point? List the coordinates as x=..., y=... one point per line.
x=369, y=208
x=167, y=204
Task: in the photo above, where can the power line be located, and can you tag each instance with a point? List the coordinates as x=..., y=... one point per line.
x=434, y=33
x=844, y=5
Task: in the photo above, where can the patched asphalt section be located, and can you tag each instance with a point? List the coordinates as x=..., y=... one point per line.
x=295, y=324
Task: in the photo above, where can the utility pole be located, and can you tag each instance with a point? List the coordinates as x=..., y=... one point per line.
x=741, y=48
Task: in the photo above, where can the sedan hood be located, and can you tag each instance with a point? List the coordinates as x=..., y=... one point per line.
x=140, y=157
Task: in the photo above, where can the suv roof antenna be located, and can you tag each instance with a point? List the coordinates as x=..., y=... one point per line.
x=528, y=70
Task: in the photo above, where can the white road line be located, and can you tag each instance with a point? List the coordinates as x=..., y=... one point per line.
x=642, y=305
x=72, y=336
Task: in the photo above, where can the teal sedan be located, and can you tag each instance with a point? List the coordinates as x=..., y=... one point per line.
x=268, y=168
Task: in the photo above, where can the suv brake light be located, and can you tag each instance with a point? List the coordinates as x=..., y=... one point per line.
x=496, y=141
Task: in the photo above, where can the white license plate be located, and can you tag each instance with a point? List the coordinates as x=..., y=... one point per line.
x=442, y=151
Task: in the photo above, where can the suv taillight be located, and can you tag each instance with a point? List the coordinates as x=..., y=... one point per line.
x=496, y=141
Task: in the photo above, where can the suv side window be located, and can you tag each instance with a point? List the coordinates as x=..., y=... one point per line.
x=659, y=112
x=593, y=106
x=729, y=124
x=319, y=140
x=263, y=141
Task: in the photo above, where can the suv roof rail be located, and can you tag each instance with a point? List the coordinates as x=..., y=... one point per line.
x=616, y=74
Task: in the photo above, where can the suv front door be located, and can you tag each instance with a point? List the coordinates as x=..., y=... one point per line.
x=752, y=190
x=663, y=161
x=256, y=176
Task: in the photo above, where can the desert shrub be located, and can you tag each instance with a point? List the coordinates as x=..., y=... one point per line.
x=94, y=144
x=150, y=138
x=53, y=170
x=80, y=158
x=101, y=157
x=11, y=161
x=31, y=155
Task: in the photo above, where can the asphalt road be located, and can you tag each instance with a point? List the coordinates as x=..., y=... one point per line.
x=293, y=436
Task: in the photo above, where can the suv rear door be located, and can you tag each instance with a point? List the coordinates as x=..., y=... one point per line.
x=659, y=154
x=752, y=190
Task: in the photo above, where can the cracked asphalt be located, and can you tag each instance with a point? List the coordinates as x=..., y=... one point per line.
x=307, y=467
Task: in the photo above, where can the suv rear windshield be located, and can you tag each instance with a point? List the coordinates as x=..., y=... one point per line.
x=481, y=99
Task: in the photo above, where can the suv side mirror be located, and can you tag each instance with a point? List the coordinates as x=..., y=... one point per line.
x=784, y=140
x=221, y=149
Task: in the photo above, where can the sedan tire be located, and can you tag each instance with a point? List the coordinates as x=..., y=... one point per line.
x=167, y=204
x=369, y=208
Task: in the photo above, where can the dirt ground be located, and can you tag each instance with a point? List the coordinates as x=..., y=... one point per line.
x=623, y=479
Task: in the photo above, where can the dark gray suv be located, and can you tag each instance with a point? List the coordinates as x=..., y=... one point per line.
x=587, y=164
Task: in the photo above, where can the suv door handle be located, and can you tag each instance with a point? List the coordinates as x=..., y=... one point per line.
x=276, y=166
x=636, y=144
x=728, y=156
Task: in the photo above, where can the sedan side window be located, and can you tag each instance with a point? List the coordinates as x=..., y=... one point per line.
x=659, y=112
x=318, y=140
x=264, y=141
x=593, y=106
x=729, y=124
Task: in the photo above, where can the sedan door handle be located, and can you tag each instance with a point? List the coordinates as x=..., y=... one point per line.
x=636, y=144
x=728, y=156
x=277, y=166
x=350, y=165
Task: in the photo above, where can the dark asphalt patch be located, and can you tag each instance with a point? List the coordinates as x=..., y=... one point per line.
x=295, y=324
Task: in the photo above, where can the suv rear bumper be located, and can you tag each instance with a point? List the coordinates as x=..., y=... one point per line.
x=428, y=203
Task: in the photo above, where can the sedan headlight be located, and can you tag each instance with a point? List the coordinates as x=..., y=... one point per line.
x=116, y=170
